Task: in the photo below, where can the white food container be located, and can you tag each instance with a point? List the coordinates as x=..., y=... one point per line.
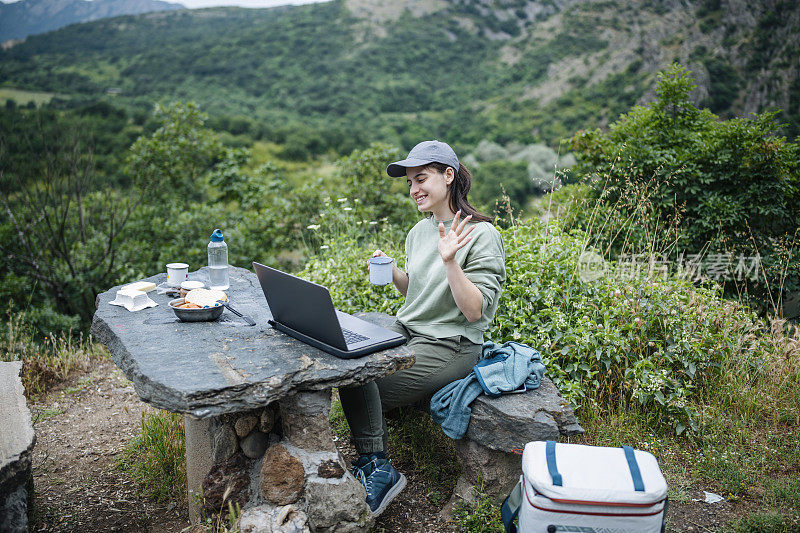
x=133, y=300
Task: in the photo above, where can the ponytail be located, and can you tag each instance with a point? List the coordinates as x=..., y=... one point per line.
x=458, y=192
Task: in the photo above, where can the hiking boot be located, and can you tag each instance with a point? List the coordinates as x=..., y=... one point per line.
x=381, y=480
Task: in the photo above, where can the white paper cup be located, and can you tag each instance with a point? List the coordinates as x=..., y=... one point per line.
x=380, y=270
x=177, y=273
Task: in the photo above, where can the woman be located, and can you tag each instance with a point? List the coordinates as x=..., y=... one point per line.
x=456, y=267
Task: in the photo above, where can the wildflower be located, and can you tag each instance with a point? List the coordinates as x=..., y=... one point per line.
x=341, y=200
x=347, y=208
x=617, y=293
x=372, y=222
x=313, y=226
x=324, y=247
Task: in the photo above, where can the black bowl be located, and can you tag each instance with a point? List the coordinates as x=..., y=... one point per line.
x=203, y=314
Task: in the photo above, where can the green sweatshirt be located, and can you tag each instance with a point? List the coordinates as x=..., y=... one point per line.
x=429, y=308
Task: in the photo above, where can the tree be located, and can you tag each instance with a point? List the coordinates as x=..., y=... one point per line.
x=494, y=179
x=60, y=232
x=169, y=164
x=733, y=185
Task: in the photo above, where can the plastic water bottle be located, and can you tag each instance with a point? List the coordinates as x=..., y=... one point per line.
x=218, y=262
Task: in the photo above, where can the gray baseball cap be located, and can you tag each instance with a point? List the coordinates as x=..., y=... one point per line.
x=422, y=154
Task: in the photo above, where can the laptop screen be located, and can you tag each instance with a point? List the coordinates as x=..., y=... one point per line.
x=301, y=305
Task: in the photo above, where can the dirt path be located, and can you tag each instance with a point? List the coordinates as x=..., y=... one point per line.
x=83, y=426
x=81, y=430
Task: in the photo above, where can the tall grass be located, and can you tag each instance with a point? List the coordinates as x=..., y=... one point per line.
x=49, y=361
x=156, y=458
x=745, y=447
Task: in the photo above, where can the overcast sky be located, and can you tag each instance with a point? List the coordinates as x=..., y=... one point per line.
x=241, y=3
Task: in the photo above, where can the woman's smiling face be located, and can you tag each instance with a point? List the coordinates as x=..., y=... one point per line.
x=429, y=189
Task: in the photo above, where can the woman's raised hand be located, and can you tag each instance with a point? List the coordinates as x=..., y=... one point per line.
x=452, y=241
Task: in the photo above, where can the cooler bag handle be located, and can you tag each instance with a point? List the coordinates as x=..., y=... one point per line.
x=636, y=474
x=550, y=455
x=630, y=456
x=510, y=508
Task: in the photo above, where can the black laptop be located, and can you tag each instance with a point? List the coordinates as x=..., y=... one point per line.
x=304, y=310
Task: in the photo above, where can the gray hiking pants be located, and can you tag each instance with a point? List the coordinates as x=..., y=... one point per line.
x=439, y=362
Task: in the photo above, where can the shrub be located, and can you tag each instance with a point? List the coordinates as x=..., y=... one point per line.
x=342, y=267
x=654, y=341
x=494, y=179
x=733, y=187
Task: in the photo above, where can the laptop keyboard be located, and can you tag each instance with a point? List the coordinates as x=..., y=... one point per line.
x=351, y=337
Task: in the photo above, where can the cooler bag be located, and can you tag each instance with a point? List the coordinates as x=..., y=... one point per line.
x=587, y=489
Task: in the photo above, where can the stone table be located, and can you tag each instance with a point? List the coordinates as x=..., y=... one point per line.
x=255, y=404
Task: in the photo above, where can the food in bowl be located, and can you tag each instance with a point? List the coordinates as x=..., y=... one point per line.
x=189, y=305
x=206, y=297
x=189, y=312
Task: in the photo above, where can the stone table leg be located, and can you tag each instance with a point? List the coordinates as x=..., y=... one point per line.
x=199, y=441
x=209, y=442
x=305, y=469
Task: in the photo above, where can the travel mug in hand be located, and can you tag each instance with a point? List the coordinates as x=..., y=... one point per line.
x=380, y=270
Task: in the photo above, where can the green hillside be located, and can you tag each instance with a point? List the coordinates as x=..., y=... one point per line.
x=341, y=74
x=27, y=17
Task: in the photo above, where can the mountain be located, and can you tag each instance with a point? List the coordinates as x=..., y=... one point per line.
x=29, y=17
x=352, y=71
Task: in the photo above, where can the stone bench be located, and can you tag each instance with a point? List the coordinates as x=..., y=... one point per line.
x=498, y=430
x=16, y=447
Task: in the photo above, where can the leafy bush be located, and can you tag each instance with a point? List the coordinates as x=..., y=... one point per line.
x=342, y=267
x=377, y=200
x=654, y=341
x=168, y=164
x=733, y=187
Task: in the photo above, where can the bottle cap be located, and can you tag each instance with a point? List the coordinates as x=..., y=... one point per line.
x=217, y=236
